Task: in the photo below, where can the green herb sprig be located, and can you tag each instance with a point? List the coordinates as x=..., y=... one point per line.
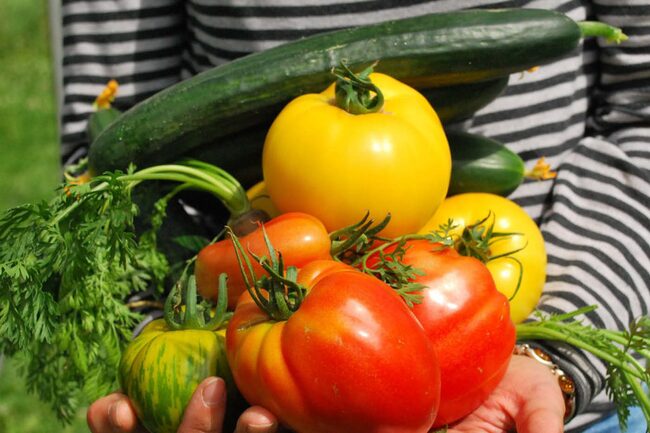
x=624, y=352
x=68, y=266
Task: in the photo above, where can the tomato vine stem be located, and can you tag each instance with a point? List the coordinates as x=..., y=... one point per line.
x=355, y=92
x=181, y=310
x=277, y=293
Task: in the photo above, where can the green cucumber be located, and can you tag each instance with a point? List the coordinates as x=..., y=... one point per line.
x=480, y=164
x=427, y=51
x=461, y=101
x=99, y=120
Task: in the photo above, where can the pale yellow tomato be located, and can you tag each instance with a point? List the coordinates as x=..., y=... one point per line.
x=260, y=199
x=507, y=216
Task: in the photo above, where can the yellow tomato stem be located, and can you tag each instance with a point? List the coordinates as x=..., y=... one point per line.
x=356, y=93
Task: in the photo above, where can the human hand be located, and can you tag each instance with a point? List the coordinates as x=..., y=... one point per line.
x=204, y=414
x=528, y=400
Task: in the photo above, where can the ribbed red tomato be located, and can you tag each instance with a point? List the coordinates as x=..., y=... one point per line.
x=351, y=358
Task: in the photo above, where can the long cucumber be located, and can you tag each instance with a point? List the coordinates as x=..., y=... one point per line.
x=427, y=51
x=460, y=101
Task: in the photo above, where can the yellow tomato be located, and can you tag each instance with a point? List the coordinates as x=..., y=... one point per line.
x=322, y=160
x=260, y=199
x=469, y=208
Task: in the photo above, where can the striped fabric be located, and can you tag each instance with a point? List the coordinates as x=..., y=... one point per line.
x=587, y=113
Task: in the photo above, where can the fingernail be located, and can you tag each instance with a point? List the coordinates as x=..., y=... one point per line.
x=114, y=415
x=260, y=428
x=214, y=392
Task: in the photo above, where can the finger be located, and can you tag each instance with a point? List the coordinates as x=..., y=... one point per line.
x=541, y=420
x=113, y=413
x=206, y=409
x=256, y=419
x=542, y=414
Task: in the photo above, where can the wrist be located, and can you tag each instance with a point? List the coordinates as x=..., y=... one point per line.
x=565, y=382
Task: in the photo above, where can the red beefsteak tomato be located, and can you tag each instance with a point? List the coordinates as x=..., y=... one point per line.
x=351, y=358
x=467, y=320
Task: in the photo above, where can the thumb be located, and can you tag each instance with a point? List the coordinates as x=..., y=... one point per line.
x=206, y=409
x=543, y=414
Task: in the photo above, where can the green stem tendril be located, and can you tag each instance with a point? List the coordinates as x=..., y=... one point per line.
x=352, y=241
x=477, y=241
x=355, y=93
x=598, y=29
x=183, y=312
x=276, y=293
x=365, y=243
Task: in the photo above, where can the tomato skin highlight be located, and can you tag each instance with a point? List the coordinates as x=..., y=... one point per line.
x=468, y=208
x=351, y=359
x=466, y=319
x=300, y=237
x=320, y=159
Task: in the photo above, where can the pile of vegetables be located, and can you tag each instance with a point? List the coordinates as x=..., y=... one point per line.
x=374, y=277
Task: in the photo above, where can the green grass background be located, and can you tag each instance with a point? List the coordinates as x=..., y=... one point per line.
x=29, y=170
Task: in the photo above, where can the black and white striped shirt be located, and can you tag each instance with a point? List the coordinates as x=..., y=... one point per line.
x=587, y=113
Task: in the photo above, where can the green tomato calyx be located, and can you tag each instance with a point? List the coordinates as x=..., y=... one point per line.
x=355, y=93
x=277, y=293
x=476, y=240
x=182, y=311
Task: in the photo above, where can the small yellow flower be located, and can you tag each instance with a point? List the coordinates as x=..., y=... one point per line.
x=541, y=171
x=104, y=99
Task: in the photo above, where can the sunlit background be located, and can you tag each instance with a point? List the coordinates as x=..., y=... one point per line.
x=29, y=169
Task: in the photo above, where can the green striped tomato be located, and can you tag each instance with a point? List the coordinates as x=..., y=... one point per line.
x=161, y=368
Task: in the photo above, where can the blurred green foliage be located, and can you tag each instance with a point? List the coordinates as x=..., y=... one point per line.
x=29, y=170
x=29, y=167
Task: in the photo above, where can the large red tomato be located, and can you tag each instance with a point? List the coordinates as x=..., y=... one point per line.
x=300, y=237
x=351, y=359
x=466, y=319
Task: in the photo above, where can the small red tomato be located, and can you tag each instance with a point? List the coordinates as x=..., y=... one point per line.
x=300, y=238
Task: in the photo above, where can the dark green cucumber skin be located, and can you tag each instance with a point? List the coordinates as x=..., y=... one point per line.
x=239, y=154
x=427, y=51
x=480, y=164
x=99, y=120
x=459, y=102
